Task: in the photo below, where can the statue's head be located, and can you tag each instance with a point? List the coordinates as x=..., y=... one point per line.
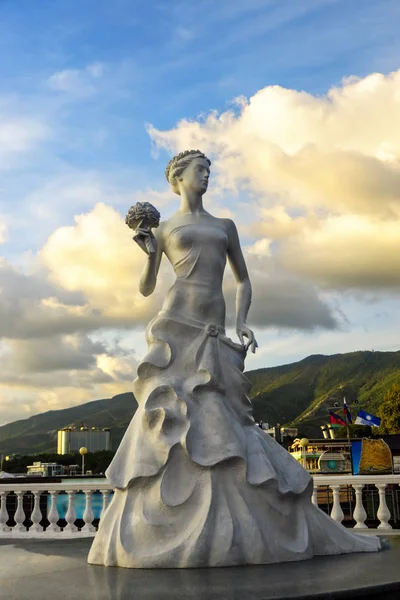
x=189, y=170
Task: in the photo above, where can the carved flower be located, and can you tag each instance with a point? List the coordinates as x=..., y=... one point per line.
x=212, y=330
x=143, y=214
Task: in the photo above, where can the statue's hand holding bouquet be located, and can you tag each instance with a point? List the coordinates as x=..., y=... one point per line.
x=142, y=217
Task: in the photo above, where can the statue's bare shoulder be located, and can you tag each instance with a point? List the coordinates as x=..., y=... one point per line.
x=231, y=230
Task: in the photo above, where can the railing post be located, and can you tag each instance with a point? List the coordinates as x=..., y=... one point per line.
x=359, y=514
x=383, y=513
x=36, y=515
x=19, y=516
x=70, y=517
x=337, y=514
x=314, y=497
x=53, y=513
x=88, y=515
x=4, y=512
x=106, y=497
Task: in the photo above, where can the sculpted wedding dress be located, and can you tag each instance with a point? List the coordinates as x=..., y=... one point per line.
x=197, y=483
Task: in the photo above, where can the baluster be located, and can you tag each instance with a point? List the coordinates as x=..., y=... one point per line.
x=88, y=515
x=106, y=499
x=53, y=516
x=383, y=513
x=36, y=515
x=336, y=512
x=4, y=512
x=70, y=517
x=359, y=514
x=19, y=516
x=314, y=498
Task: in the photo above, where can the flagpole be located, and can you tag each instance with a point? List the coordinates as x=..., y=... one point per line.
x=351, y=453
x=346, y=413
x=363, y=418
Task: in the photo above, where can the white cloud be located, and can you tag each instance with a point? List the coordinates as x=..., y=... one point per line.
x=79, y=82
x=22, y=401
x=86, y=279
x=3, y=230
x=18, y=135
x=156, y=197
x=184, y=34
x=318, y=201
x=60, y=371
x=280, y=299
x=53, y=353
x=98, y=258
x=347, y=252
x=96, y=69
x=325, y=171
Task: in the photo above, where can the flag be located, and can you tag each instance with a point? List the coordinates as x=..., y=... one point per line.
x=364, y=418
x=346, y=411
x=335, y=419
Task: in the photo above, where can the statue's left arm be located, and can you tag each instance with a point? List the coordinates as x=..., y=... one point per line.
x=243, y=294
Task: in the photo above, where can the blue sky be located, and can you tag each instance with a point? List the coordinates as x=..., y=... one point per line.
x=159, y=62
x=163, y=61
x=81, y=85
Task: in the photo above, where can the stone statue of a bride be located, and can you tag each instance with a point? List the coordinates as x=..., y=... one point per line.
x=197, y=483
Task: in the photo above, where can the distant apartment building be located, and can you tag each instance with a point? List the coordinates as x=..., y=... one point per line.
x=69, y=439
x=45, y=469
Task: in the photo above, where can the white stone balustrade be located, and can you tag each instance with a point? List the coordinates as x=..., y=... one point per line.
x=51, y=517
x=338, y=484
x=333, y=485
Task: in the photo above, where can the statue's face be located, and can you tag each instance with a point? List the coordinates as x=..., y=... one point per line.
x=195, y=176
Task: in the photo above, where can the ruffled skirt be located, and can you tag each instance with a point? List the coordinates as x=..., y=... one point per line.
x=197, y=483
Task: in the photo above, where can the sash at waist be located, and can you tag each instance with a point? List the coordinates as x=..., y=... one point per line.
x=210, y=329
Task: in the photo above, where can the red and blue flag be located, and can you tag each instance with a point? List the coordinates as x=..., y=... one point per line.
x=335, y=419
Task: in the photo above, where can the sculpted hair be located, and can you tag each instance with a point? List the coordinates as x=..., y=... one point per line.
x=178, y=164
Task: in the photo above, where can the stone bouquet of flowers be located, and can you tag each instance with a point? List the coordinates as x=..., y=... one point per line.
x=142, y=217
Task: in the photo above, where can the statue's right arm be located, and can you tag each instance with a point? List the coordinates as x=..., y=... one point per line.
x=149, y=274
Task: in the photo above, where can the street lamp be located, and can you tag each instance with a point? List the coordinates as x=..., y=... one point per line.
x=304, y=442
x=6, y=458
x=82, y=452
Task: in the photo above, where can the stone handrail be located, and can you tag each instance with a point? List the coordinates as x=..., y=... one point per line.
x=336, y=483
x=52, y=527
x=46, y=519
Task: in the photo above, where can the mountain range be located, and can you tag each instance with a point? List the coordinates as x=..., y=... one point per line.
x=298, y=394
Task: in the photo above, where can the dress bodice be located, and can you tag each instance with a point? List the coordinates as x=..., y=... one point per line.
x=197, y=251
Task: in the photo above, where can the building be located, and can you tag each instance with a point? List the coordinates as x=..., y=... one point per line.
x=281, y=433
x=393, y=441
x=45, y=469
x=289, y=432
x=70, y=439
x=337, y=450
x=332, y=455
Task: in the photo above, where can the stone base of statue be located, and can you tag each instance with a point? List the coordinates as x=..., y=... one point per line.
x=41, y=569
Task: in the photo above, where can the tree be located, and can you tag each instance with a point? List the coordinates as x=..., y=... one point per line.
x=389, y=412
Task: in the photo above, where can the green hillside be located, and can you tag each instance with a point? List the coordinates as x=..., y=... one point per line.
x=301, y=393
x=298, y=394
x=39, y=433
